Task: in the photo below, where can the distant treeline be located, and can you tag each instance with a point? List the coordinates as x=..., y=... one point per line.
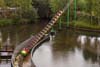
x=90, y=9
x=19, y=11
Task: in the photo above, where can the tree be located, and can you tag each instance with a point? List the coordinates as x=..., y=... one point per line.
x=8, y=3
x=82, y=5
x=96, y=9
x=22, y=9
x=90, y=9
x=25, y=9
x=2, y=3
x=42, y=7
x=56, y=5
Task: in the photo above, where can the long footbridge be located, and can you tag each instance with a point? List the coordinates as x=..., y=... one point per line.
x=23, y=51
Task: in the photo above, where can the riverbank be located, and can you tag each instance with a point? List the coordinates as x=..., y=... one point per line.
x=80, y=25
x=6, y=22
x=84, y=26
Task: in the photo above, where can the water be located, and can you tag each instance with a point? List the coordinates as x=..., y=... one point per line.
x=12, y=36
x=5, y=65
x=69, y=49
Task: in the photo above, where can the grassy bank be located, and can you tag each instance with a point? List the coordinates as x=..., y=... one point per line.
x=5, y=22
x=85, y=24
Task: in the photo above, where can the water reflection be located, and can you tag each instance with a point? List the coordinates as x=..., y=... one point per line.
x=46, y=54
x=92, y=40
x=67, y=51
x=82, y=39
x=12, y=36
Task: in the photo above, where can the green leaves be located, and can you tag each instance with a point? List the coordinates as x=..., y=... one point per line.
x=96, y=7
x=18, y=11
x=57, y=4
x=2, y=3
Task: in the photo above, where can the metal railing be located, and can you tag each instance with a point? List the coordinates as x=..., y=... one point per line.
x=18, y=49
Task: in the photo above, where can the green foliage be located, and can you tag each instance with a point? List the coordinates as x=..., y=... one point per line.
x=84, y=24
x=23, y=11
x=57, y=4
x=2, y=3
x=26, y=10
x=30, y=14
x=82, y=5
x=96, y=7
x=5, y=22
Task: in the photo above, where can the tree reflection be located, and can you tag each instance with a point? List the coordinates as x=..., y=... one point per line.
x=91, y=46
x=12, y=36
x=66, y=42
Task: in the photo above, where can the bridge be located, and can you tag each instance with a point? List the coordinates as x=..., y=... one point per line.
x=22, y=51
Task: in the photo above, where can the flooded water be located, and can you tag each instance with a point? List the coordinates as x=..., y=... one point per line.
x=69, y=49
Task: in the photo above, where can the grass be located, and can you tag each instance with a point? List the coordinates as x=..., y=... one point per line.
x=4, y=21
x=85, y=24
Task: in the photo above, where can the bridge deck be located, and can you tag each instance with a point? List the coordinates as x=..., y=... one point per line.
x=27, y=60
x=18, y=49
